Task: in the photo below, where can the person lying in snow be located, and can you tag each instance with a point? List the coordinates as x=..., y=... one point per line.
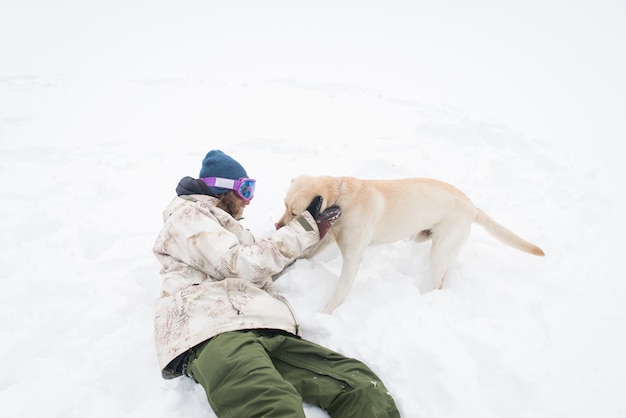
x=220, y=321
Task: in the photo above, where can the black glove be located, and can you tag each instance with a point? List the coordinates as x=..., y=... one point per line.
x=314, y=207
x=325, y=219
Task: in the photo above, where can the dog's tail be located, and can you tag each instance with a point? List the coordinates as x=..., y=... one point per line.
x=505, y=235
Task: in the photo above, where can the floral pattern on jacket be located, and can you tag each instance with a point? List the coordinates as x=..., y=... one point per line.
x=217, y=277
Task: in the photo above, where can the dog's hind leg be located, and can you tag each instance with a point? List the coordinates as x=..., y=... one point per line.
x=446, y=245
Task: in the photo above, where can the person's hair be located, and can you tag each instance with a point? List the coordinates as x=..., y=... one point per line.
x=230, y=203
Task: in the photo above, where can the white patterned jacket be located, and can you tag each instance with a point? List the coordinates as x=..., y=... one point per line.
x=218, y=278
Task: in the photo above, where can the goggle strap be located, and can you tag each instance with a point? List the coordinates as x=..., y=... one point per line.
x=219, y=182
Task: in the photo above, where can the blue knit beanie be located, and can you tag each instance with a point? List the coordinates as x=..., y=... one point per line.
x=218, y=164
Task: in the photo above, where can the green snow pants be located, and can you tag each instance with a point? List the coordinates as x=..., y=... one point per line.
x=263, y=373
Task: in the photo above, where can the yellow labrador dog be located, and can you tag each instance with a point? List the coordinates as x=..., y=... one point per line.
x=384, y=211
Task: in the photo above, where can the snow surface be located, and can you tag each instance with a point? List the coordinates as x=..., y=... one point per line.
x=104, y=106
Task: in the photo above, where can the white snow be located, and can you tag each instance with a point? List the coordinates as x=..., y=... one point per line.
x=104, y=106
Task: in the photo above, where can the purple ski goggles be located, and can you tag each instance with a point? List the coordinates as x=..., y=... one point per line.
x=244, y=186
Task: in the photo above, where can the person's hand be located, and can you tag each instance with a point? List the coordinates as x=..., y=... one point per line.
x=324, y=219
x=314, y=207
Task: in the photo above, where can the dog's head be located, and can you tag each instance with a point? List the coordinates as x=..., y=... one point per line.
x=303, y=190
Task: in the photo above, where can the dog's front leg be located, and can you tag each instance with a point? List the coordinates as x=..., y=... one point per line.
x=351, y=260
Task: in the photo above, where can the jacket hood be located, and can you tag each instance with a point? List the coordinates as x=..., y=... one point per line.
x=189, y=185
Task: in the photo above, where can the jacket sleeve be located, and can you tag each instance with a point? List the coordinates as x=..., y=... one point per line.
x=202, y=243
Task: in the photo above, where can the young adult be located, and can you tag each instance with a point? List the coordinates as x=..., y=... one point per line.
x=220, y=320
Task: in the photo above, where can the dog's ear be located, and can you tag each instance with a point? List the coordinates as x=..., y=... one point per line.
x=329, y=191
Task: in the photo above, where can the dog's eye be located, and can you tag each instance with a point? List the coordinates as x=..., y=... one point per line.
x=294, y=214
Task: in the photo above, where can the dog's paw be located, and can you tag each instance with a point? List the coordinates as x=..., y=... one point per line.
x=328, y=309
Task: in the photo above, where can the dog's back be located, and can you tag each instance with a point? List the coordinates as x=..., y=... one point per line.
x=397, y=209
